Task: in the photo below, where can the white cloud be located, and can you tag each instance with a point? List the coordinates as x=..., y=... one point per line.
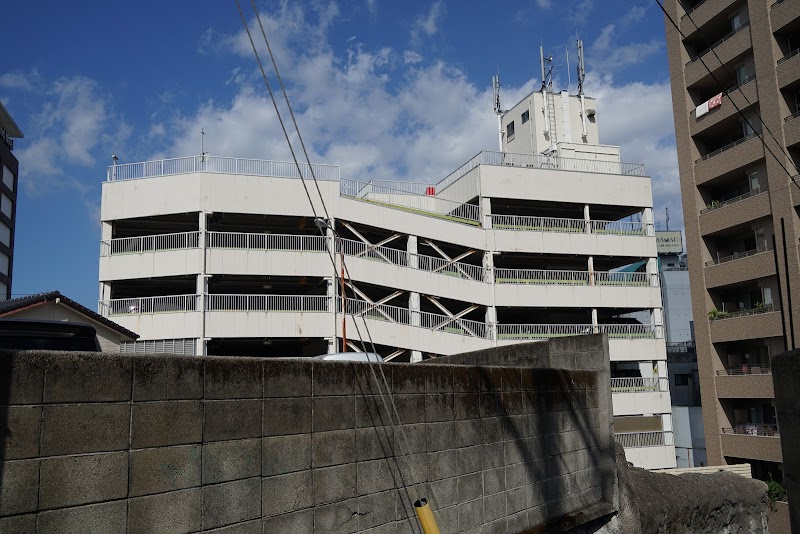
x=372, y=6
x=411, y=57
x=18, y=80
x=610, y=56
x=578, y=12
x=635, y=14
x=427, y=23
x=544, y=4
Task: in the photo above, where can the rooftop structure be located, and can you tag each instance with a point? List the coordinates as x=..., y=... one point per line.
x=223, y=256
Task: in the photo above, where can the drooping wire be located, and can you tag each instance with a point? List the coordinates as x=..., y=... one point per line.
x=330, y=254
x=758, y=133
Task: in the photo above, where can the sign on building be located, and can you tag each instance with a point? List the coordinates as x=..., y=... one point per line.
x=669, y=242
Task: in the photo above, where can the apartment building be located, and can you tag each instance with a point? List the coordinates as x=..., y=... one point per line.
x=8, y=198
x=735, y=72
x=224, y=256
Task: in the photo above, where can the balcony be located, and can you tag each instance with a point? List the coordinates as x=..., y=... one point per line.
x=747, y=324
x=745, y=382
x=722, y=214
x=702, y=13
x=639, y=385
x=644, y=439
x=727, y=49
x=791, y=129
x=740, y=267
x=782, y=13
x=739, y=154
x=788, y=68
x=754, y=441
x=741, y=96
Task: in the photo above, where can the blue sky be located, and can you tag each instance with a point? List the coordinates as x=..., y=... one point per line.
x=388, y=90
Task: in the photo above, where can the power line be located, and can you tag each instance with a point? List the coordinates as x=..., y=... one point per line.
x=722, y=88
x=313, y=209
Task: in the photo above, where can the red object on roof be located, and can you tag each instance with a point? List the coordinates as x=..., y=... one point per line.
x=430, y=191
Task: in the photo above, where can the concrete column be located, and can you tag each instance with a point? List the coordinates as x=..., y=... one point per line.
x=331, y=291
x=330, y=237
x=486, y=211
x=657, y=320
x=333, y=344
x=202, y=284
x=106, y=231
x=411, y=248
x=652, y=270
x=488, y=267
x=491, y=322
x=590, y=268
x=416, y=356
x=595, y=327
x=587, y=219
x=413, y=307
x=647, y=222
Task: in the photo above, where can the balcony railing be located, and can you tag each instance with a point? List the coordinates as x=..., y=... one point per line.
x=754, y=429
x=639, y=384
x=745, y=369
x=644, y=439
x=221, y=165
x=618, y=228
x=251, y=241
x=789, y=56
x=538, y=224
x=150, y=243
x=148, y=305
x=546, y=331
x=571, y=278
x=739, y=255
x=713, y=46
x=792, y=116
x=717, y=204
x=529, y=161
x=728, y=146
x=767, y=308
x=268, y=303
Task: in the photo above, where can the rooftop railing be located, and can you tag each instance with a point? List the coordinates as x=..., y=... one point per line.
x=728, y=147
x=713, y=46
x=644, y=439
x=639, y=384
x=717, y=204
x=681, y=346
x=221, y=165
x=739, y=255
x=754, y=429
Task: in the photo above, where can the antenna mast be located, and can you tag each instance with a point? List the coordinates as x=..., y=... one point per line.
x=498, y=109
x=666, y=210
x=581, y=76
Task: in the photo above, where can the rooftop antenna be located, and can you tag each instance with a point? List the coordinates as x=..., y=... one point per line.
x=549, y=101
x=202, y=143
x=569, y=77
x=498, y=109
x=666, y=210
x=581, y=76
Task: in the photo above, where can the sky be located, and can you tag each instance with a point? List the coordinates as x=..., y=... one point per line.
x=387, y=90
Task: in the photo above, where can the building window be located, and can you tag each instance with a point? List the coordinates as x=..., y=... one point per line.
x=5, y=235
x=526, y=116
x=6, y=206
x=3, y=264
x=510, y=131
x=8, y=177
x=681, y=380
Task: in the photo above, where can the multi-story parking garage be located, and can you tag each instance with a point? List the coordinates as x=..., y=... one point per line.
x=223, y=256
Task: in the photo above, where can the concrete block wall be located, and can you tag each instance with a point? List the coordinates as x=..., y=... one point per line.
x=134, y=444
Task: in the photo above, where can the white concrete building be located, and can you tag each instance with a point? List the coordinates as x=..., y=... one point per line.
x=222, y=256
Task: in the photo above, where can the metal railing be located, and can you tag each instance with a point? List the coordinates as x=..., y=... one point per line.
x=571, y=278
x=767, y=308
x=690, y=11
x=268, y=303
x=681, y=346
x=141, y=305
x=739, y=85
x=239, y=240
x=728, y=146
x=754, y=429
x=746, y=369
x=404, y=316
x=773, y=5
x=645, y=439
x=713, y=46
x=618, y=227
x=220, y=165
x=541, y=331
x=739, y=255
x=538, y=224
x=390, y=196
x=717, y=204
x=638, y=384
x=629, y=331
x=789, y=56
x=149, y=243
x=792, y=116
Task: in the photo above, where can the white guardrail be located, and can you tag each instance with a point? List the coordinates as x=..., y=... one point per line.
x=149, y=243
x=572, y=278
x=220, y=165
x=545, y=331
x=645, y=439
x=639, y=384
x=237, y=240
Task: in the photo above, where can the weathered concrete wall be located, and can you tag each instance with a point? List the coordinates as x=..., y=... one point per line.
x=115, y=443
x=786, y=381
